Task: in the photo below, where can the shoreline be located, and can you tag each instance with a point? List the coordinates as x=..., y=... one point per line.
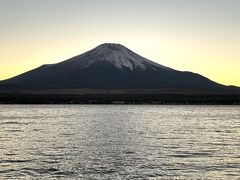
x=147, y=99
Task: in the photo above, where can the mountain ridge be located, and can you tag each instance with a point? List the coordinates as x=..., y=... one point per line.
x=110, y=66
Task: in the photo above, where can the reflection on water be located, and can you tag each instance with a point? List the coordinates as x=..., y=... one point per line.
x=119, y=142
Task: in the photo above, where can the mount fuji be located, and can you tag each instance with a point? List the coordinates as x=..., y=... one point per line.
x=110, y=66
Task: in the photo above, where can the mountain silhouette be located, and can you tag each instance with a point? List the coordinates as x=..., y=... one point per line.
x=110, y=66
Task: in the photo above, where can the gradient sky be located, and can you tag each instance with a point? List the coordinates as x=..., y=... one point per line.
x=201, y=36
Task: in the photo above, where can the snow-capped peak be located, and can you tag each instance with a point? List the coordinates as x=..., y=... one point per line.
x=118, y=55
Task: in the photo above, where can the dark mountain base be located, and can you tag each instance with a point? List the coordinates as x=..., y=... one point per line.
x=114, y=72
x=119, y=99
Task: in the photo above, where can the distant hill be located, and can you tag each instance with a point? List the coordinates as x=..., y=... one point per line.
x=112, y=66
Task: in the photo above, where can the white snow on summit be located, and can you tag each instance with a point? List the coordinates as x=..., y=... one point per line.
x=116, y=54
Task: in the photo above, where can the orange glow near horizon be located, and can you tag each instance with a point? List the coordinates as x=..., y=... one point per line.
x=177, y=36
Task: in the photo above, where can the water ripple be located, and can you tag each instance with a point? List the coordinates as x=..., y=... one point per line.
x=119, y=142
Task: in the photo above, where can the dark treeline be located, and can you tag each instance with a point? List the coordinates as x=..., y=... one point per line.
x=118, y=99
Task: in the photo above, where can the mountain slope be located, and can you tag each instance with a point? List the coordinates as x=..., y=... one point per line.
x=110, y=66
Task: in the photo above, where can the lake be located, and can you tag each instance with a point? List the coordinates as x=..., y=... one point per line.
x=119, y=142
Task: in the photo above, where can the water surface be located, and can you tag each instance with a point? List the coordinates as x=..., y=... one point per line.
x=119, y=142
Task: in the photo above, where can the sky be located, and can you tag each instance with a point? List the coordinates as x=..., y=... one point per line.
x=202, y=36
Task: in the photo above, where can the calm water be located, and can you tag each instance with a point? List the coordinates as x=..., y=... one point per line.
x=119, y=142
